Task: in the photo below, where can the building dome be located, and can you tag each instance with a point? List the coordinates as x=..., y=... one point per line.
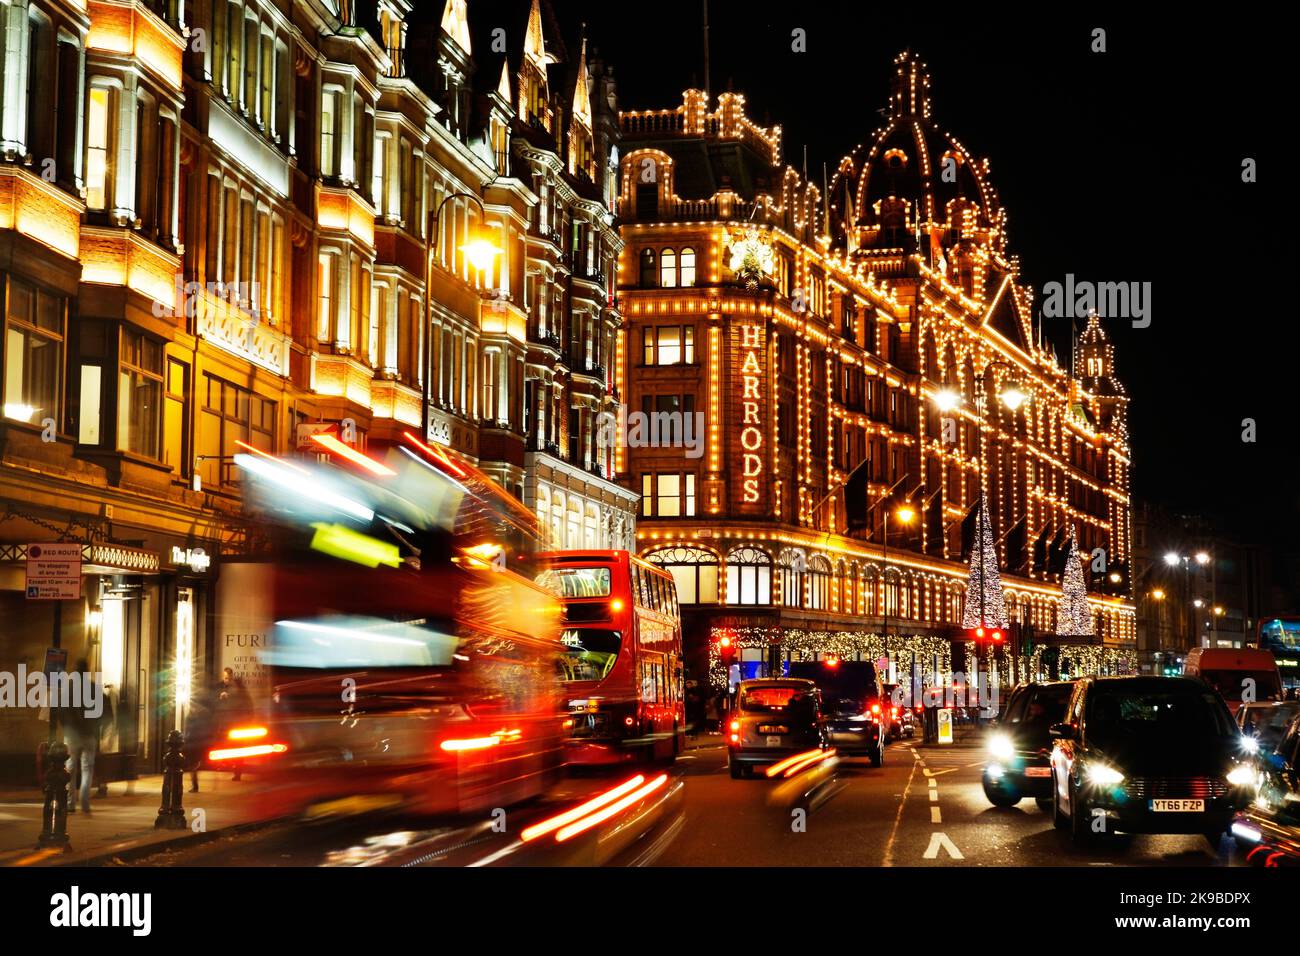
x=912, y=165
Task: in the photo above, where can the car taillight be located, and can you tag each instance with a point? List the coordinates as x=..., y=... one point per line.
x=875, y=708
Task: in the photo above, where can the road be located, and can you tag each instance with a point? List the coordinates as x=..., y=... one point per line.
x=924, y=807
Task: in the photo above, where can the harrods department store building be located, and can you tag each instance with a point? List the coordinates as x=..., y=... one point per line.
x=815, y=332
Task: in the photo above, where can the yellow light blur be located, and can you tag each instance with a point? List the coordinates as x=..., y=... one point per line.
x=481, y=253
x=905, y=515
x=1158, y=595
x=946, y=399
x=1012, y=397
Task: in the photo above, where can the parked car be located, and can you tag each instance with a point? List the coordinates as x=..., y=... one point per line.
x=1020, y=747
x=1268, y=830
x=1147, y=755
x=774, y=718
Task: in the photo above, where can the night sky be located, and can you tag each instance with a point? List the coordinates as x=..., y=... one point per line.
x=1119, y=166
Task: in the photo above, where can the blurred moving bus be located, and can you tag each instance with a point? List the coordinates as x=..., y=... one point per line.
x=622, y=668
x=412, y=663
x=1281, y=637
x=1227, y=670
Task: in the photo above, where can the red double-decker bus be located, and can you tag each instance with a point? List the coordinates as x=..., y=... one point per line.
x=622, y=667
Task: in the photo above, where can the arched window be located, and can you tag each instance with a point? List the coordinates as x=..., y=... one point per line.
x=543, y=507
x=648, y=273
x=591, y=528
x=573, y=532
x=749, y=576
x=688, y=267
x=557, y=520
x=794, y=564
x=668, y=269
x=694, y=570
x=819, y=583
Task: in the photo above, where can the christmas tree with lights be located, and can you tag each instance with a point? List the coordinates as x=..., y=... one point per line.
x=1074, y=618
x=985, y=605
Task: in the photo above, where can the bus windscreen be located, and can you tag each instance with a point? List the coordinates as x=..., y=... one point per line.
x=576, y=582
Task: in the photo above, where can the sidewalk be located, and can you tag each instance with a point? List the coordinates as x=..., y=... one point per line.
x=123, y=821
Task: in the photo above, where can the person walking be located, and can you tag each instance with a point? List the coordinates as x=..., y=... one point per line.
x=199, y=731
x=234, y=707
x=81, y=735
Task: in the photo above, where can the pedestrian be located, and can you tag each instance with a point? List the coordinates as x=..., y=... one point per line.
x=81, y=735
x=198, y=734
x=711, y=713
x=234, y=707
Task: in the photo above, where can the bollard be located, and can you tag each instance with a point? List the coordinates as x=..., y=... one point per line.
x=54, y=812
x=171, y=815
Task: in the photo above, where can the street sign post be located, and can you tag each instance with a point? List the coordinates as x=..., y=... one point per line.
x=53, y=572
x=945, y=725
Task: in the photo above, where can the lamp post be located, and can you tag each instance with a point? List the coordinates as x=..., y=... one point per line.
x=480, y=252
x=904, y=516
x=1012, y=397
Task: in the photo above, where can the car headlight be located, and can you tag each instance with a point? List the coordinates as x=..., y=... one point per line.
x=1101, y=775
x=1249, y=744
x=1001, y=747
x=1241, y=776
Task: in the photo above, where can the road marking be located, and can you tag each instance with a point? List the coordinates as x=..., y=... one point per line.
x=939, y=841
x=936, y=773
x=935, y=816
x=898, y=818
x=934, y=796
x=932, y=783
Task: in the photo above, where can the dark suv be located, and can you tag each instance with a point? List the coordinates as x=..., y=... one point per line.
x=1020, y=747
x=857, y=712
x=1147, y=755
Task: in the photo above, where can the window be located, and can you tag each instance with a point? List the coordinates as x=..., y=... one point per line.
x=819, y=578
x=268, y=78
x=668, y=495
x=749, y=577
x=139, y=395
x=377, y=179
x=33, y=353
x=231, y=414
x=647, y=268
x=668, y=269
x=793, y=569
x=325, y=295
x=175, y=401
x=694, y=571
x=329, y=132
x=98, y=149
x=688, y=267
x=668, y=345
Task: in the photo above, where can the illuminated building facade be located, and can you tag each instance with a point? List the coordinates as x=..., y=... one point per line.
x=240, y=221
x=816, y=334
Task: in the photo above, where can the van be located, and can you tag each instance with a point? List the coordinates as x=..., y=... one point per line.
x=1239, y=674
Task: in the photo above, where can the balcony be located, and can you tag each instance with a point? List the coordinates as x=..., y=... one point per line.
x=545, y=339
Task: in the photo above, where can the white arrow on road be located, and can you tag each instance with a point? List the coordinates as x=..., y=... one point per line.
x=940, y=840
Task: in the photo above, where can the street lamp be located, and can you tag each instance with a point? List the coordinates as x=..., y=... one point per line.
x=1157, y=595
x=480, y=252
x=1011, y=396
x=904, y=516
